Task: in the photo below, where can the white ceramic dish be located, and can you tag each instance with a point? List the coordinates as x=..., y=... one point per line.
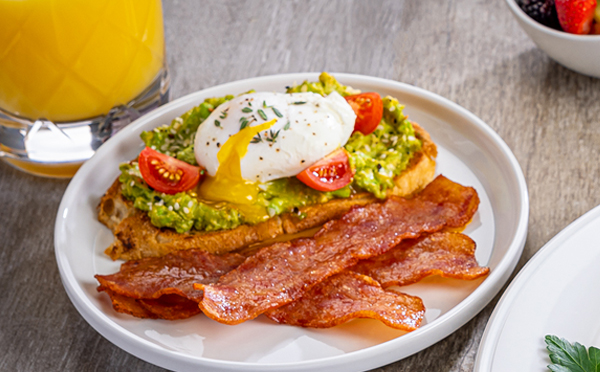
x=469, y=153
x=556, y=293
x=579, y=53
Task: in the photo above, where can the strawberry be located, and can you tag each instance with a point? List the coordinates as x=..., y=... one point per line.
x=575, y=16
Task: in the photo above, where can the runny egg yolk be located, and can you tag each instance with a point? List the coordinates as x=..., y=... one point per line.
x=227, y=184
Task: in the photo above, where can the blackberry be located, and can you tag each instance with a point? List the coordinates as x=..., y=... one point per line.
x=542, y=11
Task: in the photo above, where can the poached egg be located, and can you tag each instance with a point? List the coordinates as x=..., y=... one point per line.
x=258, y=137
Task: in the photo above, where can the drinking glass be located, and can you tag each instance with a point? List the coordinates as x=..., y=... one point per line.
x=74, y=72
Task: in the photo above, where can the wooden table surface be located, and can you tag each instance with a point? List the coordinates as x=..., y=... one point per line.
x=471, y=52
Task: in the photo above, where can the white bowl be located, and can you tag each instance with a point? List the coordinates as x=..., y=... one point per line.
x=580, y=53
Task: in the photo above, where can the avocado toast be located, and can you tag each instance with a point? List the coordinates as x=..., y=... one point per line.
x=143, y=232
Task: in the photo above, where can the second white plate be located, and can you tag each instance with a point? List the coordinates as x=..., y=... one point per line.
x=469, y=153
x=556, y=293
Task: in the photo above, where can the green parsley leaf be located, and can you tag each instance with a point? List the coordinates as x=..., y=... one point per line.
x=567, y=357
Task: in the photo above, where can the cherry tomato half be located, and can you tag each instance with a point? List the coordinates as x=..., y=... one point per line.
x=330, y=173
x=368, y=108
x=166, y=174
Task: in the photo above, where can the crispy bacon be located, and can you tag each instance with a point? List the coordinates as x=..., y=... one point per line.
x=449, y=255
x=347, y=296
x=127, y=305
x=162, y=287
x=169, y=306
x=283, y=272
x=351, y=295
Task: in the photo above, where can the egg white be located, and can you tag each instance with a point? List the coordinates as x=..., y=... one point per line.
x=310, y=127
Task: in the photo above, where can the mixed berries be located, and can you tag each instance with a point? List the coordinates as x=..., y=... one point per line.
x=573, y=16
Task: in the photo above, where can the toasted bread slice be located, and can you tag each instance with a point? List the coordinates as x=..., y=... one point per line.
x=136, y=237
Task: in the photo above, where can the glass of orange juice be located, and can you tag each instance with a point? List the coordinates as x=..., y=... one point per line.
x=72, y=73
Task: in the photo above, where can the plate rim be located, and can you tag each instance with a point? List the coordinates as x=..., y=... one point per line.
x=444, y=325
x=493, y=330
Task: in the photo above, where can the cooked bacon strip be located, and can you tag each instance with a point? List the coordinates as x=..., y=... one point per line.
x=281, y=273
x=347, y=296
x=128, y=305
x=169, y=307
x=351, y=295
x=449, y=255
x=343, y=296
x=173, y=274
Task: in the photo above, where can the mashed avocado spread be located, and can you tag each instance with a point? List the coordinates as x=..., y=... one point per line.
x=377, y=159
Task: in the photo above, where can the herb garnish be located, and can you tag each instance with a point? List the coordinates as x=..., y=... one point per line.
x=287, y=126
x=262, y=114
x=299, y=103
x=256, y=139
x=246, y=109
x=217, y=124
x=567, y=357
x=272, y=137
x=243, y=122
x=277, y=112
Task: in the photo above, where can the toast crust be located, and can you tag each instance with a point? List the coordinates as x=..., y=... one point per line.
x=136, y=237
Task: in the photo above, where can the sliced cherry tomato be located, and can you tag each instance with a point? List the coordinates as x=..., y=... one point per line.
x=368, y=108
x=330, y=173
x=166, y=174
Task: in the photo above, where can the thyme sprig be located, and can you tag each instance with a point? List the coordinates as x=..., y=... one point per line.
x=256, y=139
x=244, y=122
x=262, y=114
x=272, y=136
x=276, y=112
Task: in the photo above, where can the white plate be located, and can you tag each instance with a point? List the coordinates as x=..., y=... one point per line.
x=556, y=293
x=469, y=153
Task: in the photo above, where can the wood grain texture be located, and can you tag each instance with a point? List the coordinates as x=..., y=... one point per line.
x=471, y=52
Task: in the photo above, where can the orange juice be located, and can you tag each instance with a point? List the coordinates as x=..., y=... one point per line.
x=67, y=60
